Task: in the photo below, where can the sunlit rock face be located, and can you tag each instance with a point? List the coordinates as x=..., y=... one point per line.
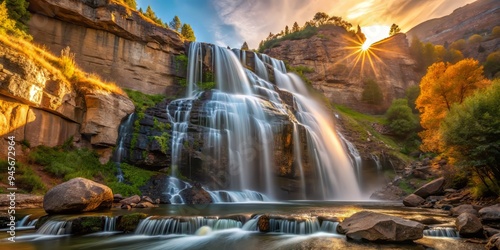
x=41, y=108
x=110, y=40
x=339, y=67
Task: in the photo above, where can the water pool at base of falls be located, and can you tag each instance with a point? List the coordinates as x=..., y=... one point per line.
x=213, y=226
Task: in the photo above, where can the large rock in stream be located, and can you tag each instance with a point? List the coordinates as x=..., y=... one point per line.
x=434, y=187
x=77, y=195
x=372, y=226
x=468, y=225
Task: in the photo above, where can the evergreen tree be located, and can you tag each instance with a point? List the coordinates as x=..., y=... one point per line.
x=18, y=11
x=394, y=29
x=287, y=31
x=187, y=32
x=131, y=3
x=175, y=24
x=244, y=46
x=152, y=15
x=295, y=27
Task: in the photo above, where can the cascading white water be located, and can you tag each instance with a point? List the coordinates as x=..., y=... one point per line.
x=335, y=173
x=306, y=226
x=123, y=131
x=442, y=232
x=191, y=225
x=353, y=155
x=55, y=228
x=377, y=162
x=239, y=134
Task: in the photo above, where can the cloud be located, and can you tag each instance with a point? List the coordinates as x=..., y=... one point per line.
x=251, y=21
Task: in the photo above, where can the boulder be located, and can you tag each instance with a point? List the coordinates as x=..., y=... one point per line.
x=380, y=227
x=132, y=199
x=494, y=242
x=468, y=225
x=413, y=200
x=489, y=231
x=263, y=223
x=196, y=195
x=145, y=204
x=456, y=211
x=117, y=198
x=491, y=213
x=434, y=187
x=77, y=195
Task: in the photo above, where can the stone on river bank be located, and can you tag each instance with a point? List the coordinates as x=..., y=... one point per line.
x=372, y=226
x=77, y=195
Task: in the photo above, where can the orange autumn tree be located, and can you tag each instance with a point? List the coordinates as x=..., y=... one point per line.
x=443, y=85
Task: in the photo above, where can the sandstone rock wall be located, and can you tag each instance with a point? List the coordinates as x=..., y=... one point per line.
x=40, y=108
x=111, y=40
x=339, y=69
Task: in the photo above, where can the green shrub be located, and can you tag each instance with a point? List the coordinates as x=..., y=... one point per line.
x=400, y=118
x=143, y=101
x=307, y=32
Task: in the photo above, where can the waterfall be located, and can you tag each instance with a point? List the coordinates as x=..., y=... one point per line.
x=55, y=228
x=354, y=156
x=185, y=225
x=377, y=161
x=124, y=130
x=109, y=223
x=335, y=174
x=238, y=119
x=329, y=226
x=442, y=232
x=306, y=226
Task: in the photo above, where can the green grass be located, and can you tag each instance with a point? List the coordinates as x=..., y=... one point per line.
x=27, y=180
x=71, y=163
x=362, y=125
x=406, y=187
x=143, y=101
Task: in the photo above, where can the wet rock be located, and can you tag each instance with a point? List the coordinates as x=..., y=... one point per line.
x=117, y=198
x=413, y=200
x=87, y=225
x=380, y=227
x=196, y=195
x=145, y=204
x=494, y=243
x=491, y=213
x=468, y=225
x=132, y=199
x=147, y=198
x=77, y=195
x=490, y=231
x=456, y=211
x=434, y=187
x=390, y=192
x=124, y=206
x=128, y=222
x=263, y=223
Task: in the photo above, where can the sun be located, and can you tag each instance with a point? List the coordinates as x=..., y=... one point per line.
x=374, y=34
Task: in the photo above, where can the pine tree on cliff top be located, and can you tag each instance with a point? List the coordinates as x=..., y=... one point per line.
x=18, y=11
x=187, y=32
x=175, y=24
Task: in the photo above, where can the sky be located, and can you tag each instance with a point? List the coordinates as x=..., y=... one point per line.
x=231, y=22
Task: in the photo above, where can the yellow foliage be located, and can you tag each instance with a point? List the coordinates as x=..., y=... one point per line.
x=443, y=86
x=62, y=67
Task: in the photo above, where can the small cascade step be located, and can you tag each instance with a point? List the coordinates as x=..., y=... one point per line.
x=442, y=232
x=53, y=227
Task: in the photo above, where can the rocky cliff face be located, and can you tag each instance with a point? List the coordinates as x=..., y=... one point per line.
x=478, y=17
x=111, y=40
x=41, y=108
x=339, y=68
